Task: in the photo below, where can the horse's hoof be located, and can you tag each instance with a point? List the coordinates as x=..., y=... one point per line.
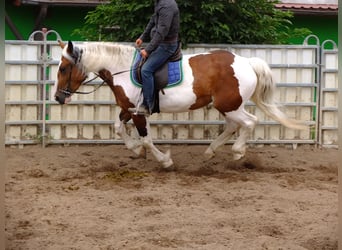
x=167, y=162
x=209, y=154
x=140, y=152
x=168, y=169
x=238, y=156
x=168, y=165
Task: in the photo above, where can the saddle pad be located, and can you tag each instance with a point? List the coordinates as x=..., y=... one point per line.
x=174, y=72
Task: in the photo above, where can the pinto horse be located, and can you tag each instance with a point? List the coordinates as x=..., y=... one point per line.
x=219, y=77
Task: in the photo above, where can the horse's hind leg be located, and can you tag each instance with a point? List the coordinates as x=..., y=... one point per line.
x=247, y=122
x=230, y=129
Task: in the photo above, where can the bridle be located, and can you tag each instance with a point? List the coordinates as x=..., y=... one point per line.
x=67, y=90
x=76, y=57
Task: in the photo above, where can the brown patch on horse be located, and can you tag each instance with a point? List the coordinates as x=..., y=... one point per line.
x=119, y=93
x=140, y=124
x=123, y=101
x=125, y=116
x=214, y=80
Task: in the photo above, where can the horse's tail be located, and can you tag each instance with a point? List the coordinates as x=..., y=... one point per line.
x=264, y=94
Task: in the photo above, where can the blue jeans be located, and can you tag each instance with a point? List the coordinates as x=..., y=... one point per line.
x=155, y=60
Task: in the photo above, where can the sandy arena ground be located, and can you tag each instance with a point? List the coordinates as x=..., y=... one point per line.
x=101, y=197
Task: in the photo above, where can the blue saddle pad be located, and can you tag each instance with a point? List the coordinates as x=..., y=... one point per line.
x=166, y=77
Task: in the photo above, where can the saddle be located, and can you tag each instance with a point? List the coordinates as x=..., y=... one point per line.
x=169, y=74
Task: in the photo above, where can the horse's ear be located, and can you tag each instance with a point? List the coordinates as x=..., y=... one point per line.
x=70, y=49
x=61, y=44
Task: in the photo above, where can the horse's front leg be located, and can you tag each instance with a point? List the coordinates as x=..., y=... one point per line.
x=131, y=143
x=143, y=126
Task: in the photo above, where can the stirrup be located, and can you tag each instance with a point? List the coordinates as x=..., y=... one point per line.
x=140, y=111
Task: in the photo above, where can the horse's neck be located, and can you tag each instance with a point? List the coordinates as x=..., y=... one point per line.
x=113, y=57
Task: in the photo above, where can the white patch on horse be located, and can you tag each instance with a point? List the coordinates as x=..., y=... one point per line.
x=244, y=73
x=112, y=56
x=66, y=55
x=181, y=97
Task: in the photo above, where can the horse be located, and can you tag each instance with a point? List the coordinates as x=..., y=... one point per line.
x=219, y=78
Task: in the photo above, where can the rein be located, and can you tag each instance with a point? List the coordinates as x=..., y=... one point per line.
x=67, y=92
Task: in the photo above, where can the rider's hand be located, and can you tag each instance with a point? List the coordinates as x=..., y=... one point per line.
x=138, y=42
x=144, y=53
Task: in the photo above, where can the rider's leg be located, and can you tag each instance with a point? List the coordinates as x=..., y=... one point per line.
x=154, y=61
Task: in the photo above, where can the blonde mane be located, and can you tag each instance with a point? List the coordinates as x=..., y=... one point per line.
x=97, y=56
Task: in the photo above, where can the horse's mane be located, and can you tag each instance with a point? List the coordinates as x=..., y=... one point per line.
x=99, y=55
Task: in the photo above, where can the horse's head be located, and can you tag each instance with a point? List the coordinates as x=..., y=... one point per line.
x=70, y=74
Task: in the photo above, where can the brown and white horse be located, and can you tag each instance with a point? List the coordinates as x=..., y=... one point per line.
x=222, y=78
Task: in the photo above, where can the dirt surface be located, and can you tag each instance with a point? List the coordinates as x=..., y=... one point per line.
x=100, y=197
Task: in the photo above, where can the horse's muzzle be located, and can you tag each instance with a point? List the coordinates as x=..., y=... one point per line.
x=60, y=97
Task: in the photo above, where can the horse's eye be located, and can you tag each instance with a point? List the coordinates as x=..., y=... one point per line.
x=62, y=70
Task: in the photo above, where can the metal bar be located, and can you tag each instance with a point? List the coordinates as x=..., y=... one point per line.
x=45, y=60
x=96, y=82
x=303, y=85
x=33, y=82
x=21, y=142
x=251, y=46
x=329, y=128
x=83, y=103
x=330, y=70
x=303, y=104
x=296, y=66
x=153, y=122
x=330, y=89
x=335, y=109
x=177, y=141
x=23, y=103
x=79, y=122
x=36, y=122
x=21, y=62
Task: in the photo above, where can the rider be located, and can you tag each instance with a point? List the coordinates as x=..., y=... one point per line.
x=162, y=29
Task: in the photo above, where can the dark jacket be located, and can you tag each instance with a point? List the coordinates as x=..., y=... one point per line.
x=163, y=26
